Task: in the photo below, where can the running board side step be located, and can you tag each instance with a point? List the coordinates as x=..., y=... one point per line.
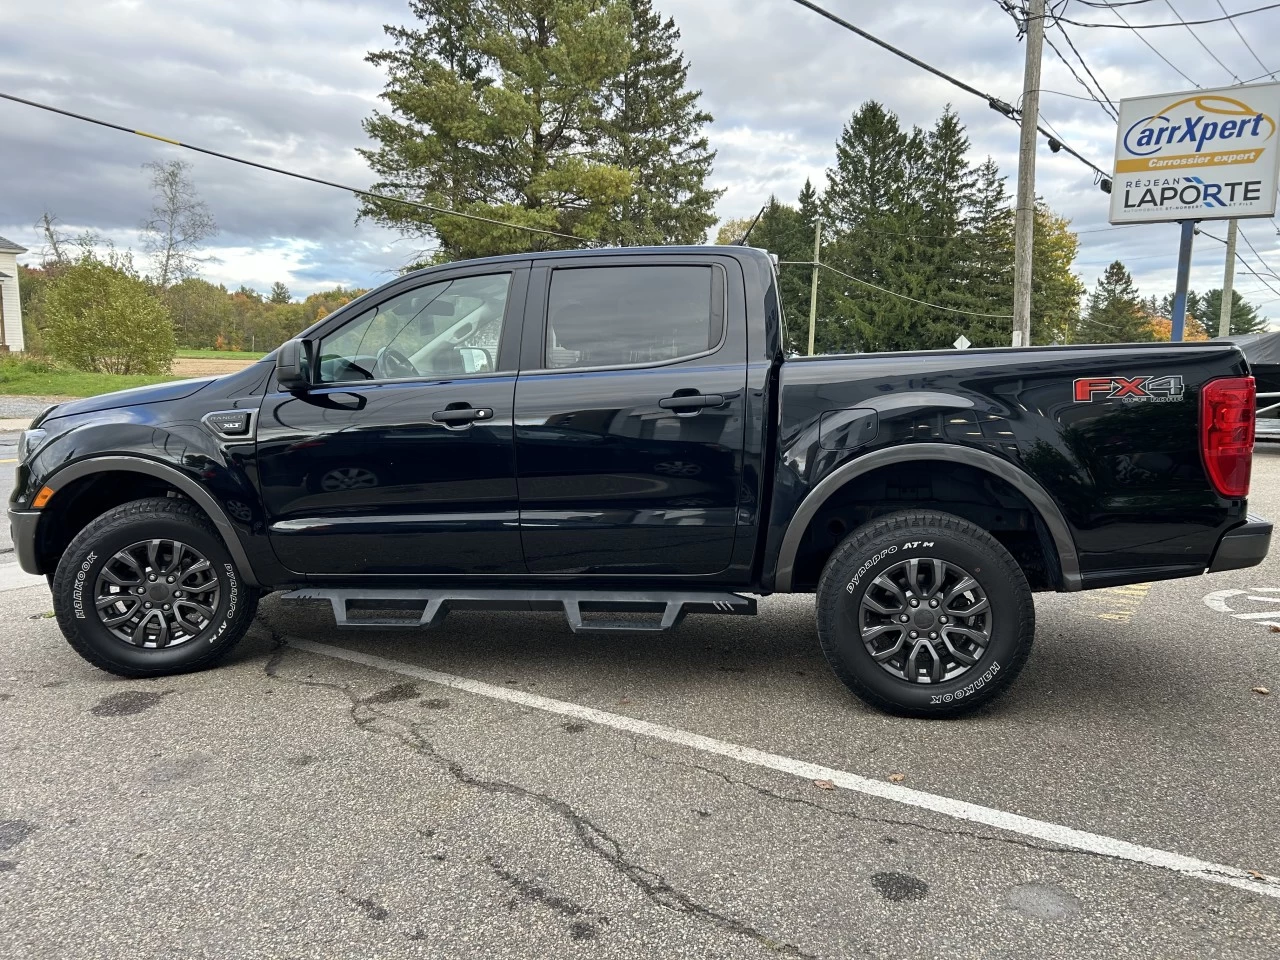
x=578, y=606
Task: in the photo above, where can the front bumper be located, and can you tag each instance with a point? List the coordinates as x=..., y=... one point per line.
x=22, y=527
x=1243, y=546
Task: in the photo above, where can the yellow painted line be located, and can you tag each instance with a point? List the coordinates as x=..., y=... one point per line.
x=9, y=461
x=1123, y=601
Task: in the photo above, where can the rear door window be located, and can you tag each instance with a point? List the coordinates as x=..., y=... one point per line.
x=632, y=315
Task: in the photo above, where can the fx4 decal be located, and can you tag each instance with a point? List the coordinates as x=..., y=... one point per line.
x=1131, y=389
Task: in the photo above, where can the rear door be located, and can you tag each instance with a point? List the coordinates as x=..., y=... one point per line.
x=629, y=415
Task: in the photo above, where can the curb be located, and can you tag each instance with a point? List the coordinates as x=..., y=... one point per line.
x=14, y=424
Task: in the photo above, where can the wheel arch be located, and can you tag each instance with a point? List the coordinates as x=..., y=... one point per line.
x=164, y=478
x=1039, y=499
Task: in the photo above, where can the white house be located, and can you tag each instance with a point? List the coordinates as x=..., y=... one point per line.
x=10, y=305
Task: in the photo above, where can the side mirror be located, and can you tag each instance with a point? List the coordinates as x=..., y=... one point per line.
x=475, y=359
x=293, y=365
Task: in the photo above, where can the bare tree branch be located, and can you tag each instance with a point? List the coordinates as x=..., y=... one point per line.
x=179, y=224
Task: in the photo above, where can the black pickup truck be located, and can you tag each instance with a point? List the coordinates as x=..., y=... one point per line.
x=619, y=434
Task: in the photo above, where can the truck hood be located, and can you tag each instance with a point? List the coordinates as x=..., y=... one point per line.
x=157, y=393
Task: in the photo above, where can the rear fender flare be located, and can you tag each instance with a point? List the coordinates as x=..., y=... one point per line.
x=1039, y=497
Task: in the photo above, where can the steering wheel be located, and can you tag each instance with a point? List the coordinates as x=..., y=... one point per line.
x=395, y=365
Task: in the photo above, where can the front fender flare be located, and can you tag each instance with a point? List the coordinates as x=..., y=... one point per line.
x=1039, y=497
x=189, y=487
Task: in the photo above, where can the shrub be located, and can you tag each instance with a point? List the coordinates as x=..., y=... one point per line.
x=100, y=315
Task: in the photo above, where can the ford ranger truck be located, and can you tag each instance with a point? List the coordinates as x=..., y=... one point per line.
x=619, y=434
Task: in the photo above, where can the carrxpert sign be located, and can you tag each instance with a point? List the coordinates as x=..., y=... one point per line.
x=1200, y=155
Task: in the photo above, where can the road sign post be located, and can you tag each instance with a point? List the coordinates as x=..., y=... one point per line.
x=1178, y=322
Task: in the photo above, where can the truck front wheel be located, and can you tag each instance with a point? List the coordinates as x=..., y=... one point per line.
x=149, y=589
x=924, y=614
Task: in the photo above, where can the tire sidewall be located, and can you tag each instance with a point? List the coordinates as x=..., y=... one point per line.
x=77, y=576
x=847, y=581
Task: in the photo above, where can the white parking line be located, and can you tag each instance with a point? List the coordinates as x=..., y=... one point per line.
x=999, y=819
x=13, y=577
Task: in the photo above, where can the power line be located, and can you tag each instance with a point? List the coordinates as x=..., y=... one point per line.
x=1157, y=26
x=1231, y=73
x=1071, y=43
x=900, y=296
x=1105, y=102
x=1171, y=64
x=1250, y=245
x=995, y=103
x=293, y=173
x=1243, y=262
x=1269, y=73
x=1112, y=6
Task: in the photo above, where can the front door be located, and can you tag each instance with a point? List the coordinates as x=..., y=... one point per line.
x=400, y=459
x=629, y=416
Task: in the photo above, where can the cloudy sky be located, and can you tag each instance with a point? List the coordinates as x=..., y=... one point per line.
x=285, y=82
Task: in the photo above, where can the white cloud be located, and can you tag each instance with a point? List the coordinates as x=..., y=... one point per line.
x=285, y=82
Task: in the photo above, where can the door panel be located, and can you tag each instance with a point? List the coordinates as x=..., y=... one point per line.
x=629, y=471
x=401, y=460
x=362, y=479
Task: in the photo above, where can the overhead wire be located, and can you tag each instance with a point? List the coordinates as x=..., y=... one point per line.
x=359, y=191
x=1000, y=106
x=1200, y=40
x=1157, y=26
x=1242, y=260
x=1173, y=66
x=900, y=296
x=1248, y=46
x=1104, y=101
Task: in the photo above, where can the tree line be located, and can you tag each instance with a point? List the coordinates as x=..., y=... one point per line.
x=917, y=242
x=89, y=305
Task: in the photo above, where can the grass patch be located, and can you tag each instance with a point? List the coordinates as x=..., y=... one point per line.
x=249, y=356
x=32, y=377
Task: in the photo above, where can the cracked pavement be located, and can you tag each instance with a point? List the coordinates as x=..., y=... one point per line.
x=293, y=805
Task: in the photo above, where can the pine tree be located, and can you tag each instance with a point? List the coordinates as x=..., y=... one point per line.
x=494, y=107
x=1244, y=315
x=874, y=212
x=1055, y=290
x=279, y=293
x=653, y=127
x=1115, y=313
x=809, y=203
x=988, y=257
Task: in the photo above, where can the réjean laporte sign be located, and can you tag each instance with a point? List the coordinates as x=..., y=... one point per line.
x=1199, y=155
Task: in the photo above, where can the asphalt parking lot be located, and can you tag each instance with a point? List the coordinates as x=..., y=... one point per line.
x=499, y=787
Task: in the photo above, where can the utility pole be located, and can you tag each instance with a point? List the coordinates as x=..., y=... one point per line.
x=1228, y=281
x=813, y=290
x=1025, y=221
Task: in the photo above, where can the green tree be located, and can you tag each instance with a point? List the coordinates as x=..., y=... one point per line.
x=1056, y=290
x=1115, y=313
x=201, y=312
x=102, y=316
x=653, y=127
x=494, y=109
x=279, y=293
x=874, y=213
x=1244, y=315
x=988, y=256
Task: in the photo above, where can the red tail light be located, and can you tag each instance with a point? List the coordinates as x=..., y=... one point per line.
x=1226, y=433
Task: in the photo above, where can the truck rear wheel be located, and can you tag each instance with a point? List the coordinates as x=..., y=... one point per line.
x=924, y=614
x=149, y=589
